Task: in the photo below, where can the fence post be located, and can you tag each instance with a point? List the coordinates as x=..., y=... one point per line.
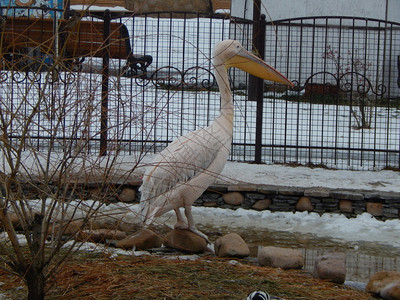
x=398, y=71
x=256, y=85
x=104, y=84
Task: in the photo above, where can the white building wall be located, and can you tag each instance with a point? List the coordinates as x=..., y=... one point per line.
x=285, y=9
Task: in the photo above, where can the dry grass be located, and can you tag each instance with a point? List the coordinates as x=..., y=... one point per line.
x=152, y=277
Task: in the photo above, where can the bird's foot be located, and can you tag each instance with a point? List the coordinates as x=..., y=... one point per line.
x=184, y=226
x=199, y=233
x=181, y=225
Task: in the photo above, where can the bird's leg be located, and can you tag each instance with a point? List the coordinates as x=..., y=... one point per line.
x=191, y=224
x=180, y=222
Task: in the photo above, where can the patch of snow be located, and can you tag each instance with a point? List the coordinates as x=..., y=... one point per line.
x=83, y=7
x=192, y=257
x=281, y=175
x=335, y=226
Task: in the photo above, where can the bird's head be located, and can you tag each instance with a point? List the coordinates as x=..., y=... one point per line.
x=231, y=53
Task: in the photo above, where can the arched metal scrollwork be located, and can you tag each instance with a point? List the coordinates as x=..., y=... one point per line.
x=169, y=77
x=362, y=85
x=347, y=83
x=199, y=77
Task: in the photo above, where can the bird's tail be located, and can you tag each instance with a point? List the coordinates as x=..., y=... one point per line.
x=147, y=212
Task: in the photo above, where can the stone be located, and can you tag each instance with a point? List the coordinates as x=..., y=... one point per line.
x=100, y=235
x=141, y=240
x=253, y=197
x=233, y=198
x=14, y=219
x=385, y=283
x=391, y=291
x=242, y=188
x=291, y=191
x=262, y=204
x=185, y=240
x=127, y=194
x=231, y=245
x=317, y=192
x=210, y=204
x=348, y=195
x=304, y=204
x=95, y=192
x=390, y=212
x=277, y=257
x=374, y=209
x=268, y=190
x=68, y=229
x=331, y=267
x=345, y=206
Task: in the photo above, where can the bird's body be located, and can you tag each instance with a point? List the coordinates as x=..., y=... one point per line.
x=179, y=173
x=189, y=165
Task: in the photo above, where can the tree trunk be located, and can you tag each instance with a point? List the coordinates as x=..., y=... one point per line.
x=35, y=277
x=36, y=283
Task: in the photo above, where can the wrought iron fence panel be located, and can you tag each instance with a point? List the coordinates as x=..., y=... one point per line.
x=343, y=112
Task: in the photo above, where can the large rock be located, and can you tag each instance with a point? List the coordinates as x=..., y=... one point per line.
x=304, y=204
x=100, y=235
x=345, y=206
x=67, y=228
x=262, y=204
x=233, y=198
x=127, y=194
x=391, y=291
x=374, y=209
x=386, y=284
x=141, y=240
x=231, y=245
x=185, y=240
x=15, y=221
x=331, y=267
x=277, y=257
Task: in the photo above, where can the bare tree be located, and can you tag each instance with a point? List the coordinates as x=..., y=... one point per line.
x=352, y=70
x=48, y=155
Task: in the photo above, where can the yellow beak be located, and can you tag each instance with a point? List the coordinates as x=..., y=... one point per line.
x=250, y=63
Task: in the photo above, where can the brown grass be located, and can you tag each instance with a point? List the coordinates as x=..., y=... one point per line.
x=153, y=277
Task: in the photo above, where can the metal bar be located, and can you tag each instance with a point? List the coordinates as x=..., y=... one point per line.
x=256, y=85
x=104, y=85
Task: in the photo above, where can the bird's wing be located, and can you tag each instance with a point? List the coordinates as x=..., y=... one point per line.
x=182, y=160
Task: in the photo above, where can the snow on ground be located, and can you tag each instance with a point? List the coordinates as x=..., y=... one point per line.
x=362, y=228
x=281, y=175
x=287, y=176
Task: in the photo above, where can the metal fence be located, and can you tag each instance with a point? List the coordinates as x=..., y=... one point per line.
x=346, y=112
x=343, y=113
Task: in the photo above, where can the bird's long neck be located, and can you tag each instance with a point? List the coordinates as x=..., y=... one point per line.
x=221, y=75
